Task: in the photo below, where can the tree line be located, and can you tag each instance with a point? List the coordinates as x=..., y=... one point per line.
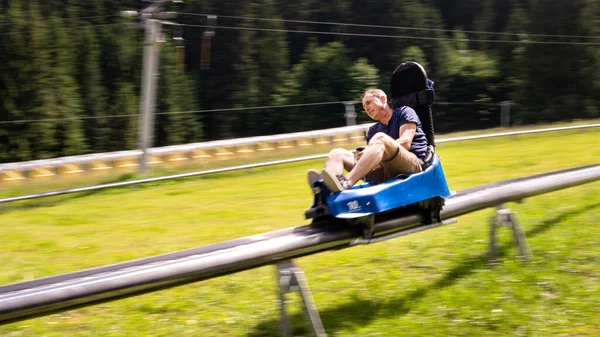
x=70, y=70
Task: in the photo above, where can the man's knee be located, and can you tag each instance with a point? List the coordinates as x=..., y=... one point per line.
x=387, y=145
x=380, y=137
x=338, y=154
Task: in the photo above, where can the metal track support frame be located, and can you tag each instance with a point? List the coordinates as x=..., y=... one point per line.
x=290, y=279
x=506, y=218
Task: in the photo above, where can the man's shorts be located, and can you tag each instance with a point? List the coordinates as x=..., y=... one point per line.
x=405, y=162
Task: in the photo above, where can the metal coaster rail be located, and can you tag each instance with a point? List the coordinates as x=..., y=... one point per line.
x=79, y=289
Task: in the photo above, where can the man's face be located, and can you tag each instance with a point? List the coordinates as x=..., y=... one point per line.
x=374, y=106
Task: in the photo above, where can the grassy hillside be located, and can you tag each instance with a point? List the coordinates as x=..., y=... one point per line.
x=432, y=283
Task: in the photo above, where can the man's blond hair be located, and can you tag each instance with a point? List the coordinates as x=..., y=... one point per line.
x=374, y=92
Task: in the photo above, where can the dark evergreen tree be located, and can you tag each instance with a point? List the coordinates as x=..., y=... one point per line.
x=433, y=42
x=218, y=81
x=175, y=121
x=383, y=53
x=120, y=63
x=260, y=73
x=324, y=74
x=38, y=98
x=556, y=77
x=14, y=83
x=69, y=132
x=511, y=54
x=484, y=22
x=314, y=17
x=89, y=78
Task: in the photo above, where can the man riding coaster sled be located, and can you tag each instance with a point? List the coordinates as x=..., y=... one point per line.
x=396, y=144
x=401, y=171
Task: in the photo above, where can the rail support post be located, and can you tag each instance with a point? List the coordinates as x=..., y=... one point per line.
x=350, y=113
x=291, y=278
x=506, y=218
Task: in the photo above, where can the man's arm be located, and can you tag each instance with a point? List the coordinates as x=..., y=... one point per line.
x=407, y=132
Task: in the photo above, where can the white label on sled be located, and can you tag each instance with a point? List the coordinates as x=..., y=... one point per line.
x=353, y=206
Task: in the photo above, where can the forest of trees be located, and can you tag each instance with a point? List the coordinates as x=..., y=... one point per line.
x=70, y=71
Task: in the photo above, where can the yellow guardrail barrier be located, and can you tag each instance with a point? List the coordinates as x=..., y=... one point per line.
x=102, y=163
x=127, y=161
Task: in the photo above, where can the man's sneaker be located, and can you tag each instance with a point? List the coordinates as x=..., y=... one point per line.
x=334, y=183
x=312, y=176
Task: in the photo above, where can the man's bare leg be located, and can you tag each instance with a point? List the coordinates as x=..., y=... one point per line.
x=382, y=147
x=339, y=160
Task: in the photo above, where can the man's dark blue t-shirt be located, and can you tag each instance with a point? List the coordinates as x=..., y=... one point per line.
x=401, y=116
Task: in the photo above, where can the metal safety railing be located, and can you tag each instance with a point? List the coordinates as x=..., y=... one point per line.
x=168, y=156
x=261, y=164
x=128, y=161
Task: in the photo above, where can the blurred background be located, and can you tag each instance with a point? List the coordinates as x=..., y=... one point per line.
x=70, y=72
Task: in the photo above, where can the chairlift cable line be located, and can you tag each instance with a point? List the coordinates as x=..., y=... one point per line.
x=21, y=121
x=392, y=27
x=169, y=113
x=408, y=37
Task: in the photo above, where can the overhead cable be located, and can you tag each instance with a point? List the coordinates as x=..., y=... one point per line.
x=22, y=121
x=408, y=37
x=394, y=27
x=167, y=113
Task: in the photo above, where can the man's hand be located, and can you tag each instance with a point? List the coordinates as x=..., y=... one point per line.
x=358, y=153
